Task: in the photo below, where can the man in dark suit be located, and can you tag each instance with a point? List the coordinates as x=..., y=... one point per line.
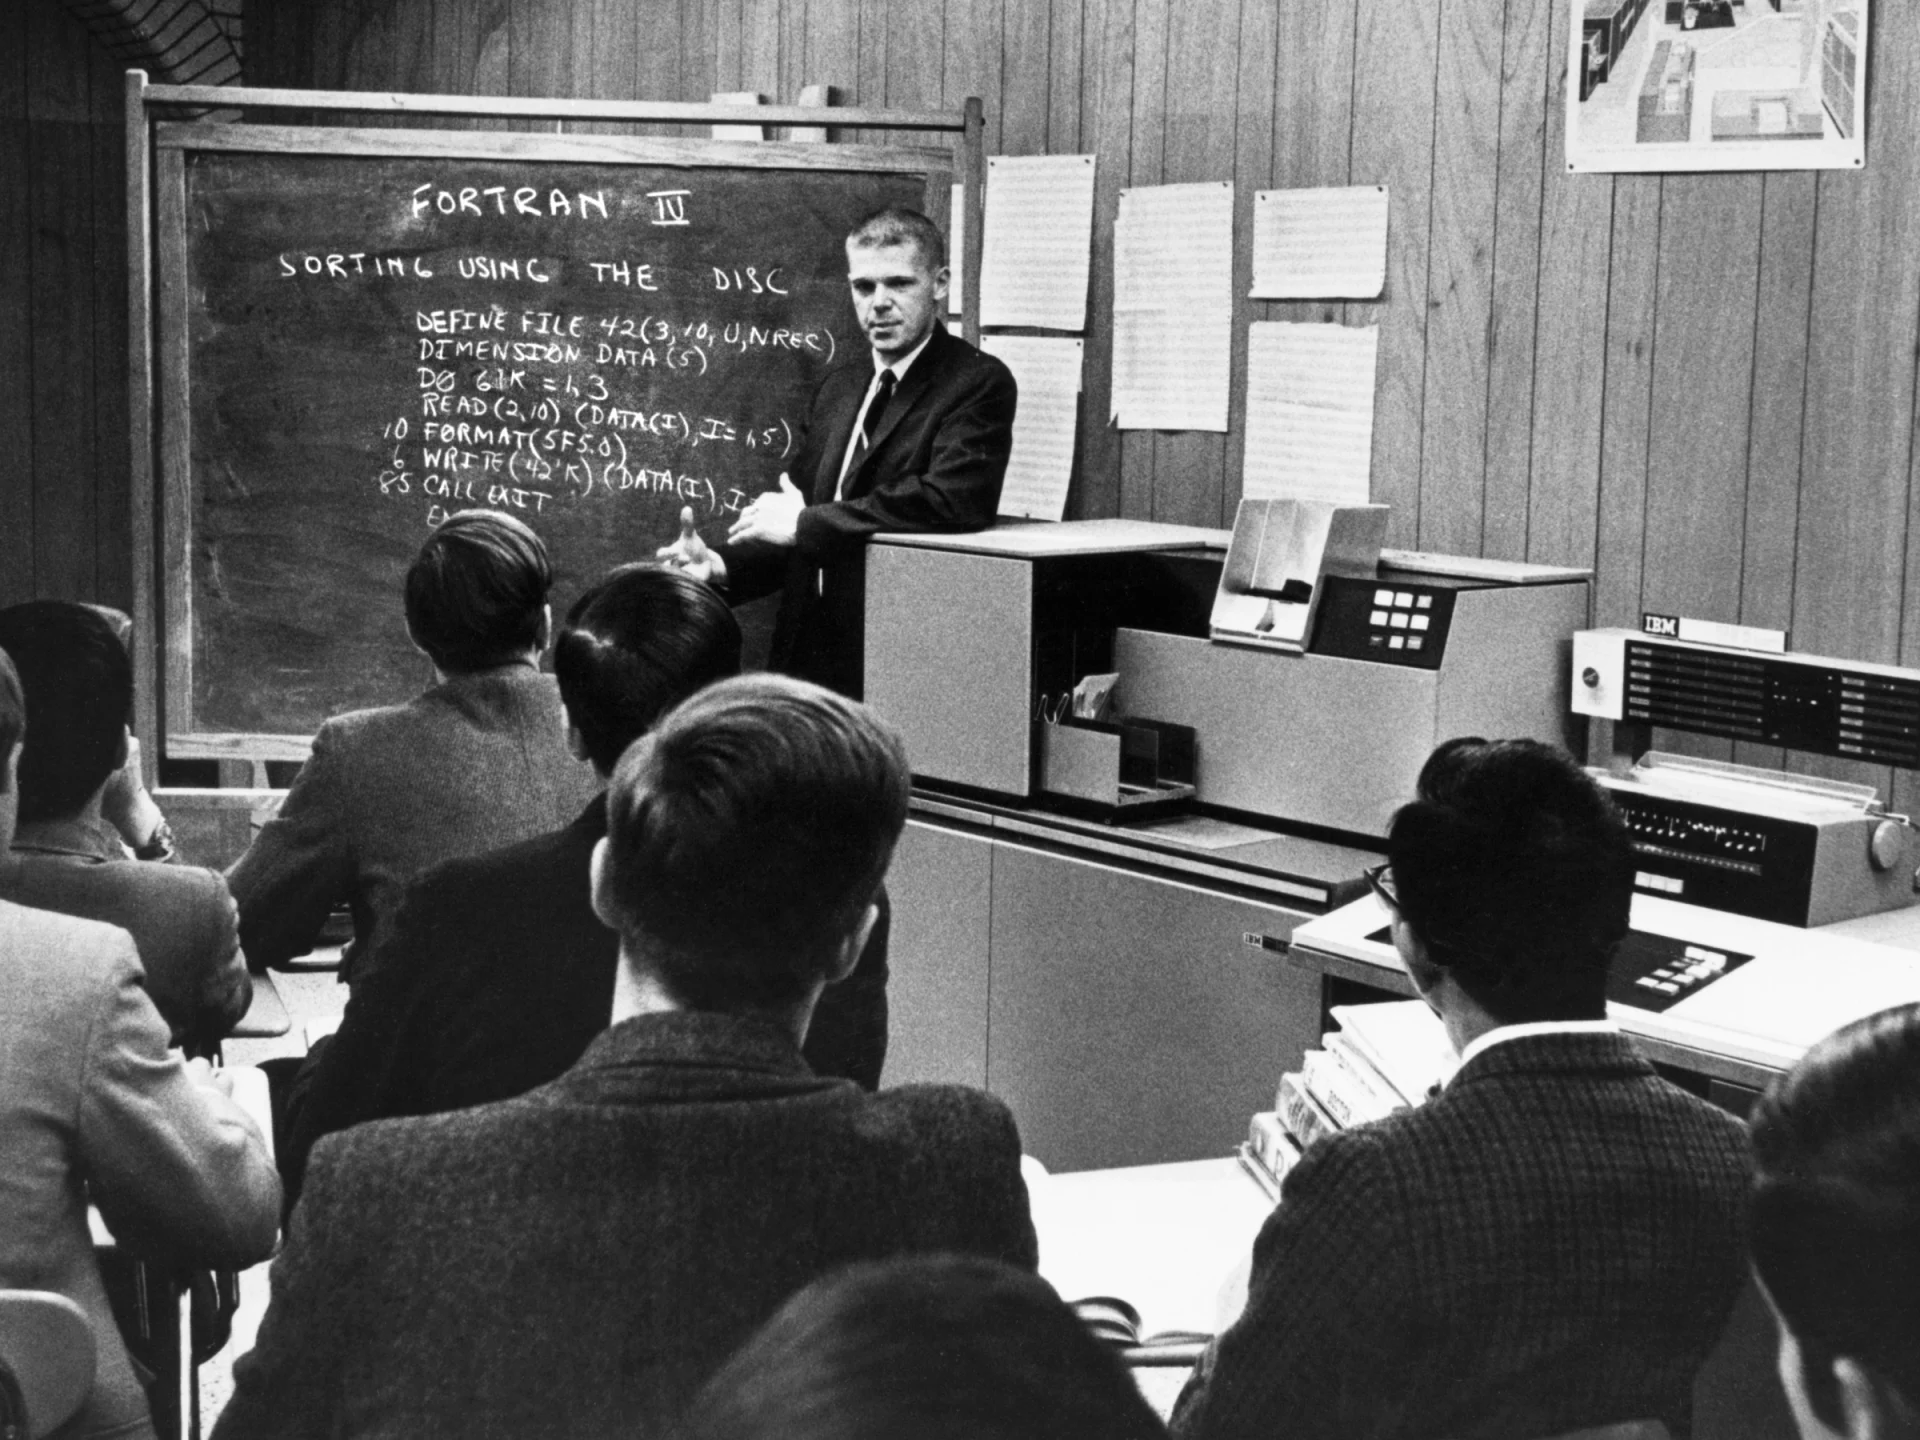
x=916, y=437
x=497, y=973
x=1552, y=1243
x=575, y=1262
x=476, y=762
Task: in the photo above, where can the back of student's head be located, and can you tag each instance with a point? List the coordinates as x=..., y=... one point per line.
x=1834, y=1219
x=634, y=646
x=1514, y=870
x=78, y=682
x=746, y=836
x=477, y=591
x=940, y=1348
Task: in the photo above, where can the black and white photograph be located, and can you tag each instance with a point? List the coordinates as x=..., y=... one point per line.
x=959, y=720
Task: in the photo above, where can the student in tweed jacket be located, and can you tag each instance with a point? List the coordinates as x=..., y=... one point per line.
x=1552, y=1243
x=577, y=1261
x=477, y=761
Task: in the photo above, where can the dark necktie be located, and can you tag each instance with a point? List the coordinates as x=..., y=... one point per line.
x=882, y=393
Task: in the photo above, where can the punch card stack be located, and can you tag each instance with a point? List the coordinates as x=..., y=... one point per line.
x=1379, y=1059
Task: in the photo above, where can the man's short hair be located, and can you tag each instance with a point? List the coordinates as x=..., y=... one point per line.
x=941, y=1347
x=1516, y=873
x=897, y=225
x=1834, y=1212
x=77, y=679
x=13, y=714
x=477, y=591
x=746, y=836
x=634, y=646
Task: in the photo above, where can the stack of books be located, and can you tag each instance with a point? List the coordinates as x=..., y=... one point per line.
x=1379, y=1059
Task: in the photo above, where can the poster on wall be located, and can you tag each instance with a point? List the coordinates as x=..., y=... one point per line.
x=1716, y=84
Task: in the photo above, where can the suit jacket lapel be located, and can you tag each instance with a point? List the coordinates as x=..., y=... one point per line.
x=911, y=387
x=826, y=477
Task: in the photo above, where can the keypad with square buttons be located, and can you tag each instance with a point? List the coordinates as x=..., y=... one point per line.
x=1398, y=611
x=1654, y=972
x=1388, y=624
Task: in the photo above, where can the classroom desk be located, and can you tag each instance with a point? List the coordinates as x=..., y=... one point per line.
x=266, y=1016
x=1173, y=1241
x=1738, y=1032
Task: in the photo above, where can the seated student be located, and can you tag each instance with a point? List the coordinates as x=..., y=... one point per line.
x=942, y=1348
x=1834, y=1222
x=475, y=762
x=1552, y=1243
x=68, y=857
x=496, y=973
x=576, y=1261
x=92, y=1103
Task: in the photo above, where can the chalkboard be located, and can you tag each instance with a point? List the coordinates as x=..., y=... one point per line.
x=359, y=334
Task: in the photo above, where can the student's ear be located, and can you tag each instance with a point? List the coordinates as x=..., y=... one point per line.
x=124, y=750
x=1413, y=952
x=854, y=945
x=1870, y=1408
x=1812, y=1387
x=601, y=871
x=942, y=278
x=546, y=627
x=577, y=744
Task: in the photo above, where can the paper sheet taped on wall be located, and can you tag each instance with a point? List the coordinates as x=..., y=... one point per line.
x=1047, y=371
x=1309, y=411
x=1038, y=241
x=956, y=250
x=1320, y=244
x=1172, y=307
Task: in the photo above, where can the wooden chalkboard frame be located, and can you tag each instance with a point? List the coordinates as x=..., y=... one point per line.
x=157, y=146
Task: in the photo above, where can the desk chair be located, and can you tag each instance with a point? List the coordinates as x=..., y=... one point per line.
x=46, y=1362
x=174, y=1321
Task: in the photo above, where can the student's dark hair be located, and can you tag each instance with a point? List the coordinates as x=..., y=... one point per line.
x=938, y=1348
x=1834, y=1210
x=13, y=714
x=476, y=592
x=747, y=833
x=78, y=684
x=634, y=646
x=1515, y=871
x=897, y=225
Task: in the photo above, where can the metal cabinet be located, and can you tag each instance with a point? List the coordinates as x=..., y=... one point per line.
x=937, y=989
x=1130, y=1021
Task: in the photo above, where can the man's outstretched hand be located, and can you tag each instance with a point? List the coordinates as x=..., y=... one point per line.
x=772, y=517
x=690, y=553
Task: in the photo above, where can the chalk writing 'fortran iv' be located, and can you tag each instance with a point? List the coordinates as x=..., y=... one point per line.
x=499, y=200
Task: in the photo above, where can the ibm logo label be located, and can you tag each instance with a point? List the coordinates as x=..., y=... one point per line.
x=1667, y=625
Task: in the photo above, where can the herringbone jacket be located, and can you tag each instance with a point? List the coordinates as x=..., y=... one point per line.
x=1554, y=1242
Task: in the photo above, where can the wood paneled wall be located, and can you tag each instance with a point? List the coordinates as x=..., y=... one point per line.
x=64, y=528
x=1702, y=385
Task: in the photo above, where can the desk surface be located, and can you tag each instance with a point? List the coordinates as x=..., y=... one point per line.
x=1747, y=1026
x=266, y=1015
x=1171, y=1240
